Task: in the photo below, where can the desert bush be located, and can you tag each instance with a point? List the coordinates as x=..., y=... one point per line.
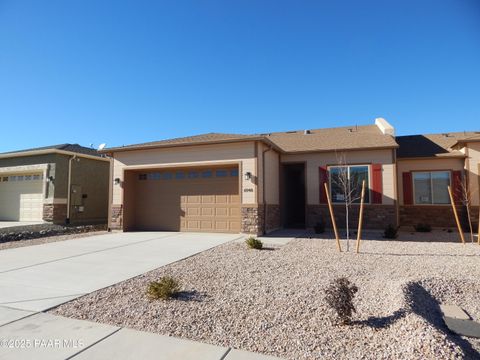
x=164, y=289
x=420, y=227
x=391, y=232
x=254, y=243
x=339, y=296
x=319, y=227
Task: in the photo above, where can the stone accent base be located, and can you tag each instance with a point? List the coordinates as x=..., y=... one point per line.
x=116, y=222
x=253, y=218
x=272, y=218
x=55, y=213
x=374, y=216
x=437, y=216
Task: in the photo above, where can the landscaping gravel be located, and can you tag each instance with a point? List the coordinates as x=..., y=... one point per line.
x=19, y=236
x=272, y=301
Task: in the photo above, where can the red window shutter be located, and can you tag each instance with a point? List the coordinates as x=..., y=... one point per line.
x=457, y=187
x=407, y=188
x=323, y=176
x=377, y=186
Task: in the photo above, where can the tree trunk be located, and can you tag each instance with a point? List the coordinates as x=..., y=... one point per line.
x=346, y=224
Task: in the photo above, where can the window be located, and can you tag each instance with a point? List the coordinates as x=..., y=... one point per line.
x=179, y=175
x=142, y=177
x=167, y=176
x=154, y=176
x=221, y=173
x=193, y=175
x=351, y=175
x=5, y=178
x=234, y=172
x=207, y=174
x=431, y=187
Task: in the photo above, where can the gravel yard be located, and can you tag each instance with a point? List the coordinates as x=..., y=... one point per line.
x=272, y=301
x=27, y=235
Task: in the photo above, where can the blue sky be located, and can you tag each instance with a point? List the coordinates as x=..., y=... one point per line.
x=126, y=72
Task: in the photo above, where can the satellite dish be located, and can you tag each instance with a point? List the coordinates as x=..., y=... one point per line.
x=101, y=147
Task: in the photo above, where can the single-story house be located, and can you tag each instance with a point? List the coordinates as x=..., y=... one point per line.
x=61, y=184
x=252, y=183
x=258, y=183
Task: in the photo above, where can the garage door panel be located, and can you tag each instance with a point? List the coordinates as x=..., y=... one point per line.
x=208, y=211
x=200, y=204
x=221, y=211
x=208, y=199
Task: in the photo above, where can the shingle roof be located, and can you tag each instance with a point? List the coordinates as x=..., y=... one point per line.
x=341, y=138
x=202, y=138
x=474, y=138
x=76, y=148
x=430, y=145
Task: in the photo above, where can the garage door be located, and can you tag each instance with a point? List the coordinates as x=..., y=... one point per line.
x=21, y=197
x=200, y=199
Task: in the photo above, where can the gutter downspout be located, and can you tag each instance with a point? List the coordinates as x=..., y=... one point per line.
x=69, y=187
x=110, y=193
x=263, y=190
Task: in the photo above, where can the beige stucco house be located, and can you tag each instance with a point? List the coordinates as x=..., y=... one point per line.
x=251, y=183
x=65, y=183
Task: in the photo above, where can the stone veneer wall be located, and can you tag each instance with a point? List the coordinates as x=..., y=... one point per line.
x=273, y=217
x=116, y=222
x=374, y=216
x=436, y=216
x=252, y=219
x=55, y=213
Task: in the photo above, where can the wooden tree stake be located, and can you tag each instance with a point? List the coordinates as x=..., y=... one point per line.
x=456, y=215
x=360, y=218
x=334, y=224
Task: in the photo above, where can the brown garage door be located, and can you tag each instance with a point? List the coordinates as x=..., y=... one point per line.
x=194, y=199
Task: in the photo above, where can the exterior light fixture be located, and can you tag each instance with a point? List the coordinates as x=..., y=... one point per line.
x=248, y=175
x=50, y=179
x=116, y=181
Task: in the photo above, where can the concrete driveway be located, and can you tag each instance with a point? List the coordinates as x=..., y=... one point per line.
x=36, y=278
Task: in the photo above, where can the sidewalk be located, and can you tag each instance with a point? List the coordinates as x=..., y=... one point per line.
x=29, y=335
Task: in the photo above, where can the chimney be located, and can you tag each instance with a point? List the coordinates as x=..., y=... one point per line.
x=385, y=126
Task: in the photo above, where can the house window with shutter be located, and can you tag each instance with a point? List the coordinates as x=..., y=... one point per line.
x=351, y=177
x=431, y=187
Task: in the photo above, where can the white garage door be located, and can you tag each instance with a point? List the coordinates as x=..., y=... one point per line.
x=21, y=197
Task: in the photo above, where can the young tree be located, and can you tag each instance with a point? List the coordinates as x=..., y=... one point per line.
x=465, y=196
x=346, y=186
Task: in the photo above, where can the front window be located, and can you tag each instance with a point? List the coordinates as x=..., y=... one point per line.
x=431, y=187
x=346, y=183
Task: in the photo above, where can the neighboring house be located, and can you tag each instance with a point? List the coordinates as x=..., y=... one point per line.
x=251, y=183
x=35, y=183
x=426, y=165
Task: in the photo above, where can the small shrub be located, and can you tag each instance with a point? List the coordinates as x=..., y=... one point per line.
x=164, y=289
x=254, y=243
x=420, y=227
x=339, y=296
x=391, y=232
x=319, y=227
